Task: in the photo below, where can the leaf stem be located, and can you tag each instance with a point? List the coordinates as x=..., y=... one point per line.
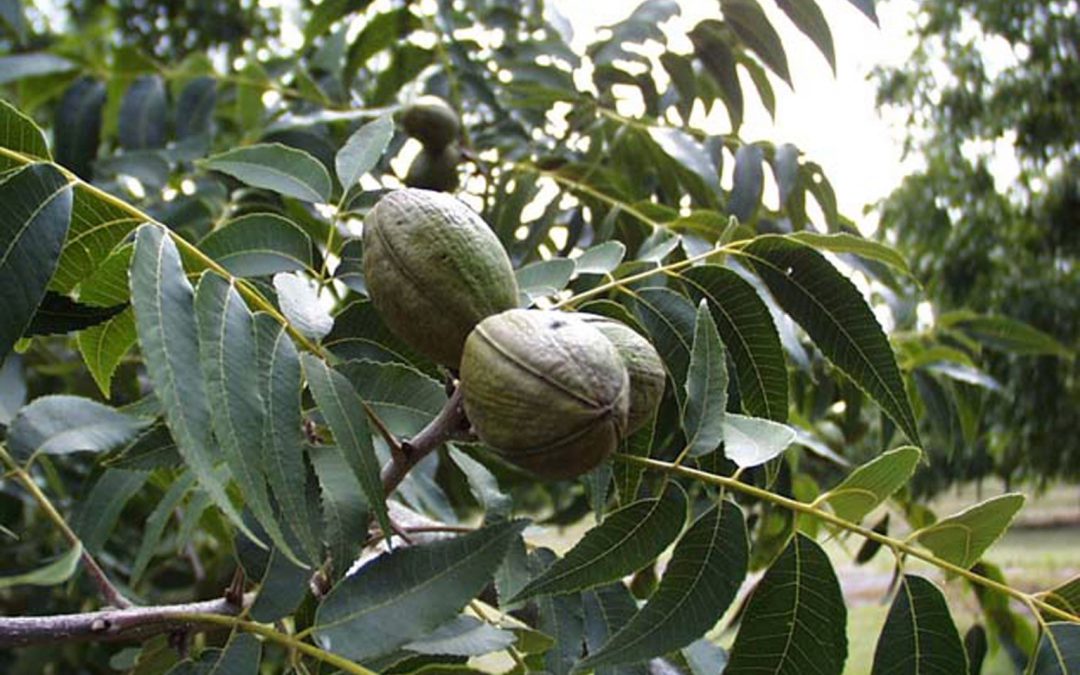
x=247, y=290
x=820, y=514
x=276, y=636
x=108, y=590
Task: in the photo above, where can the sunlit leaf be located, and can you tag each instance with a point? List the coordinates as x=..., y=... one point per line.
x=753, y=441
x=56, y=572
x=19, y=133
x=961, y=539
x=872, y=483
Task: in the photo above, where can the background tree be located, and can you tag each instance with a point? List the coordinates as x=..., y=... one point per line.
x=989, y=224
x=198, y=394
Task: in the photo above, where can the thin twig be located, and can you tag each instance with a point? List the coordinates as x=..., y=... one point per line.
x=815, y=512
x=108, y=590
x=449, y=424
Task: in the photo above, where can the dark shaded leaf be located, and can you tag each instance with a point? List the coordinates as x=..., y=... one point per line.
x=808, y=17
x=344, y=414
x=77, y=132
x=700, y=581
x=748, y=183
x=919, y=636
x=33, y=225
x=752, y=26
x=142, y=114
x=463, y=636
x=100, y=509
x=155, y=524
x=345, y=511
x=195, y=107
x=747, y=329
x=58, y=315
x=607, y=610
x=835, y=315
x=1059, y=650
x=795, y=621
x=627, y=540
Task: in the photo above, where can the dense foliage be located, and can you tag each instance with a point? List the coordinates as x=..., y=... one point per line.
x=990, y=85
x=197, y=393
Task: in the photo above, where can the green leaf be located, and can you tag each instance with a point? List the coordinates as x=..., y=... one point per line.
x=107, y=286
x=344, y=414
x=867, y=8
x=670, y=320
x=326, y=13
x=19, y=133
x=241, y=656
x=276, y=167
x=710, y=39
x=1008, y=335
x=77, y=131
x=627, y=540
x=403, y=595
x=749, y=22
x=230, y=369
x=752, y=441
x=384, y=29
x=345, y=511
x=97, y=227
x=259, y=244
x=12, y=388
x=59, y=315
x=99, y=511
x=808, y=17
x=795, y=621
x=852, y=243
x=704, y=658
x=363, y=149
x=56, y=572
x=872, y=483
x=962, y=538
x=21, y=66
x=600, y=259
x=298, y=296
x=195, y=107
x=919, y=636
x=33, y=224
x=483, y=485
x=1066, y=596
x=544, y=278
x=59, y=425
x=706, y=387
x=350, y=271
x=607, y=610
x=168, y=335
x=563, y=618
x=706, y=569
x=155, y=524
x=11, y=14
x=282, y=589
x=401, y=396
x=748, y=332
x=142, y=114
x=280, y=384
x=683, y=148
x=1059, y=650
x=748, y=182
x=463, y=636
x=105, y=345
x=835, y=315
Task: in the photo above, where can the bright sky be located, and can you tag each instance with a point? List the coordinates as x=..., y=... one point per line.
x=832, y=120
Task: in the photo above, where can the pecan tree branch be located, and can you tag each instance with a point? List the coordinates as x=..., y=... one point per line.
x=449, y=424
x=109, y=625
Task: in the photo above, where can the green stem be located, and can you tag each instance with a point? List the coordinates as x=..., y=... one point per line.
x=246, y=290
x=280, y=638
x=109, y=592
x=810, y=510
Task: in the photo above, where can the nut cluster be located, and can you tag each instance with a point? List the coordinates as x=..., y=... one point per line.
x=435, y=124
x=553, y=392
